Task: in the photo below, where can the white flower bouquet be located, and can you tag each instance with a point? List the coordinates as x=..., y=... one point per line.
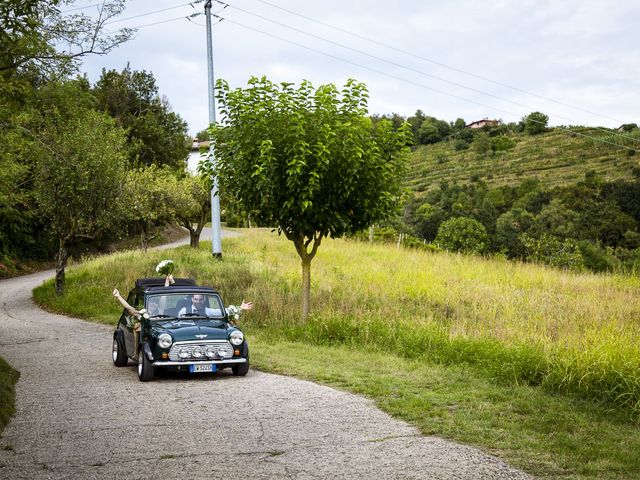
x=165, y=267
x=234, y=312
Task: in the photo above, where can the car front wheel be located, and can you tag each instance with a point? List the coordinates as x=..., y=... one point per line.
x=145, y=367
x=241, y=369
x=118, y=353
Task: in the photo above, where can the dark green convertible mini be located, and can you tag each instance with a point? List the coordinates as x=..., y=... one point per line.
x=183, y=327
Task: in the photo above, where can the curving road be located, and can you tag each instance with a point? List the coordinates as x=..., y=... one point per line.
x=79, y=417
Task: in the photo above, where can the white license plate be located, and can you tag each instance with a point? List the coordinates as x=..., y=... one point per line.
x=202, y=368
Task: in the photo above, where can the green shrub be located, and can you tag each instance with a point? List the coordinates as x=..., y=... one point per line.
x=549, y=250
x=232, y=219
x=462, y=234
x=441, y=157
x=482, y=143
x=460, y=144
x=502, y=143
x=596, y=259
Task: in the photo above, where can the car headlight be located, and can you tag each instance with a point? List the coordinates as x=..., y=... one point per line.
x=197, y=352
x=183, y=353
x=236, y=337
x=165, y=340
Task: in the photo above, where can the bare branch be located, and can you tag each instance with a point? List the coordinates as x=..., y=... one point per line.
x=53, y=42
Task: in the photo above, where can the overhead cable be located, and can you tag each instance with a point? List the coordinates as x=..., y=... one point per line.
x=440, y=64
x=396, y=64
x=421, y=85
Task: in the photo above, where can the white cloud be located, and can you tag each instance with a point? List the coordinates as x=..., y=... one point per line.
x=581, y=52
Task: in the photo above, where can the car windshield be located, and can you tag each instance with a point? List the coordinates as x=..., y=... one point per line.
x=184, y=305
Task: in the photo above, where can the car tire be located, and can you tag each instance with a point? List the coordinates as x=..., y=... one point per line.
x=241, y=369
x=145, y=367
x=118, y=351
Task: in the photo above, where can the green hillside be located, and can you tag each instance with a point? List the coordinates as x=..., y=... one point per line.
x=558, y=157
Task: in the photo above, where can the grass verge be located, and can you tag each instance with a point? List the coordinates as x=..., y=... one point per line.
x=551, y=436
x=8, y=379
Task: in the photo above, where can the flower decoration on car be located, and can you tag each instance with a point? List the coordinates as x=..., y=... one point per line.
x=165, y=267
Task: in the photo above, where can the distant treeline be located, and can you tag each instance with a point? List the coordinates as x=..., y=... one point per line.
x=428, y=130
x=592, y=224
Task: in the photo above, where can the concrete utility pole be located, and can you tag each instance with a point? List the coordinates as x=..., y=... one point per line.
x=216, y=234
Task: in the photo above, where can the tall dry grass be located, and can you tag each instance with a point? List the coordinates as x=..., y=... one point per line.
x=576, y=333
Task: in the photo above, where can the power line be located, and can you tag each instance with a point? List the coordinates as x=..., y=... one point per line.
x=396, y=64
x=440, y=64
x=81, y=8
x=204, y=26
x=199, y=24
x=155, y=11
x=188, y=17
x=572, y=132
x=167, y=21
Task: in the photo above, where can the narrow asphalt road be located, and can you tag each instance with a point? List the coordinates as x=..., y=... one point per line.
x=79, y=417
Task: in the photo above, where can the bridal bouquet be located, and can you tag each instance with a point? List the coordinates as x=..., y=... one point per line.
x=234, y=312
x=165, y=267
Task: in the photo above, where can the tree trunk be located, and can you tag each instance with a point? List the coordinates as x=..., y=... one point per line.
x=194, y=233
x=144, y=243
x=146, y=238
x=301, y=243
x=61, y=263
x=306, y=288
x=194, y=239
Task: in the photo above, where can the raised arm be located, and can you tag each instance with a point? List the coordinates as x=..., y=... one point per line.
x=234, y=312
x=124, y=303
x=246, y=305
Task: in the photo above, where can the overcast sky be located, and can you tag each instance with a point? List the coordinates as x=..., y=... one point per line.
x=469, y=59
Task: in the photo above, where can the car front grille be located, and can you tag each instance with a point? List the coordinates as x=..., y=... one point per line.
x=213, y=347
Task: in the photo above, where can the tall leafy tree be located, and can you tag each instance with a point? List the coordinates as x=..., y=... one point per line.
x=190, y=198
x=535, y=123
x=147, y=202
x=80, y=164
x=52, y=103
x=16, y=210
x=432, y=130
x=308, y=161
x=415, y=121
x=157, y=136
x=38, y=44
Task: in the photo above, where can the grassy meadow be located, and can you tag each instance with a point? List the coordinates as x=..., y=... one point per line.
x=538, y=366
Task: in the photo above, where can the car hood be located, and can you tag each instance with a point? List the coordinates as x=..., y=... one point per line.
x=193, y=329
